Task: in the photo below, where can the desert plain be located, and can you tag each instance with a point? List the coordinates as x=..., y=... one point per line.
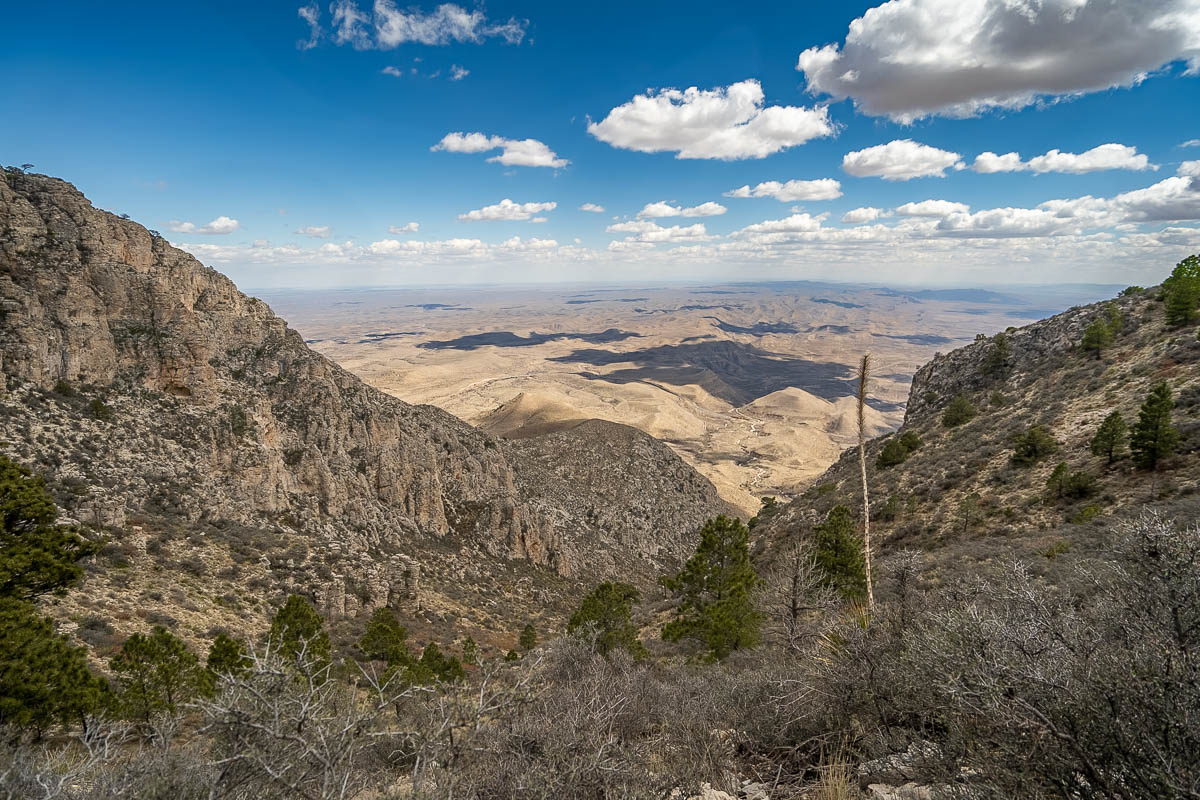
x=751, y=383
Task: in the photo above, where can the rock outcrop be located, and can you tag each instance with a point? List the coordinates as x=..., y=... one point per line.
x=155, y=389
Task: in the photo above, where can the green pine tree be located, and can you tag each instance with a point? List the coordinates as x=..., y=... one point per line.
x=715, y=591
x=996, y=363
x=156, y=673
x=1097, y=336
x=296, y=628
x=470, y=651
x=1182, y=292
x=1059, y=481
x=43, y=679
x=1109, y=440
x=37, y=557
x=227, y=656
x=385, y=639
x=959, y=410
x=529, y=637
x=607, y=614
x=443, y=668
x=1116, y=320
x=1033, y=445
x=839, y=554
x=1154, y=437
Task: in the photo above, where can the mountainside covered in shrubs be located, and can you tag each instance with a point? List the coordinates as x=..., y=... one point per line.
x=1032, y=441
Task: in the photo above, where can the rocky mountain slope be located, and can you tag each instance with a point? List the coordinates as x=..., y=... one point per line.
x=962, y=499
x=226, y=463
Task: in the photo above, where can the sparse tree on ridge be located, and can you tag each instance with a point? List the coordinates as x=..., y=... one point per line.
x=529, y=637
x=157, y=673
x=1109, y=440
x=839, y=554
x=1154, y=437
x=607, y=615
x=959, y=410
x=1097, y=336
x=715, y=591
x=1182, y=292
x=996, y=362
x=297, y=628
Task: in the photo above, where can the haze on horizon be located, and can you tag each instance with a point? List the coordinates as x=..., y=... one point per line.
x=359, y=143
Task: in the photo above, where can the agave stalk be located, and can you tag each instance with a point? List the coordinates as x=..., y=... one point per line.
x=864, y=376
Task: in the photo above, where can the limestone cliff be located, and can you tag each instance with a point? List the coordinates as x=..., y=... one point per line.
x=203, y=407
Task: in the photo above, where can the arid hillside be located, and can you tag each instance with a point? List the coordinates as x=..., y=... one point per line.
x=225, y=464
x=989, y=485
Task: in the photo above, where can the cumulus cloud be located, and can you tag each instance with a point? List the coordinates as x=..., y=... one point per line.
x=1106, y=156
x=408, y=227
x=792, y=191
x=989, y=163
x=592, y=207
x=513, y=152
x=908, y=59
x=932, y=208
x=457, y=73
x=728, y=123
x=315, y=231
x=386, y=27
x=900, y=160
x=508, y=211
x=1189, y=169
x=1190, y=143
x=1103, y=157
x=664, y=209
x=646, y=232
x=219, y=226
x=1172, y=199
x=393, y=71
x=858, y=216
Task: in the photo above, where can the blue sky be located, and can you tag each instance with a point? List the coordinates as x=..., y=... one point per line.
x=192, y=117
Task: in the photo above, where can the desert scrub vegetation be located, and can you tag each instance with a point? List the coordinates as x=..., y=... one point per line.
x=999, y=686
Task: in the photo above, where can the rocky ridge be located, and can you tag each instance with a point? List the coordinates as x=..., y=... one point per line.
x=960, y=498
x=165, y=404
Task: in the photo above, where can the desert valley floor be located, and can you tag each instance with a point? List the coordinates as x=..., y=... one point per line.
x=751, y=383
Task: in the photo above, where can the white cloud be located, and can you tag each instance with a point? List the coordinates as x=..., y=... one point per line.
x=932, y=208
x=1103, y=157
x=664, y=209
x=645, y=231
x=792, y=191
x=219, y=226
x=797, y=223
x=727, y=123
x=507, y=210
x=393, y=71
x=513, y=152
x=311, y=14
x=592, y=207
x=1168, y=200
x=385, y=27
x=1189, y=169
x=908, y=59
x=457, y=73
x=1106, y=156
x=900, y=160
x=989, y=163
x=408, y=227
x=1190, y=143
x=315, y=231
x=857, y=216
